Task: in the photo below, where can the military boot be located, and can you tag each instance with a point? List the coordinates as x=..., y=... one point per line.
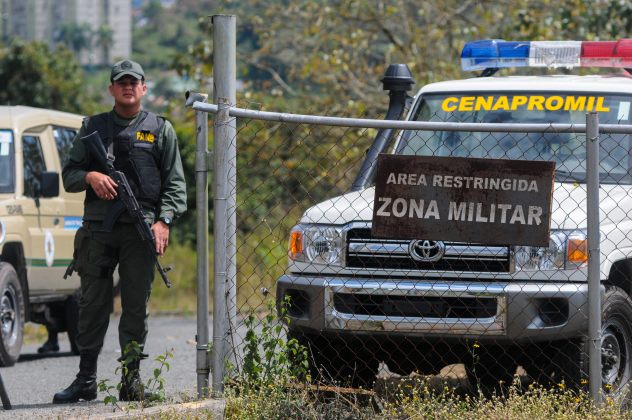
x=84, y=387
x=51, y=345
x=132, y=388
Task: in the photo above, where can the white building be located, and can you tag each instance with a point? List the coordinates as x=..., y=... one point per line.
x=55, y=20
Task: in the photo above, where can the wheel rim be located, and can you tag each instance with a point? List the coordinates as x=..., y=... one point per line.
x=8, y=318
x=616, y=348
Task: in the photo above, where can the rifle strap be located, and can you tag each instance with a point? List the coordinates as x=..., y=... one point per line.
x=110, y=156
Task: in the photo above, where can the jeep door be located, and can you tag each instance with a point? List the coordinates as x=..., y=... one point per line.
x=50, y=243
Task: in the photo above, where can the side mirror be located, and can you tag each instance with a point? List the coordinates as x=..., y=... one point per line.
x=49, y=184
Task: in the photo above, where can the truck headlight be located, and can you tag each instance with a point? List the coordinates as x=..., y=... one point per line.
x=3, y=232
x=567, y=249
x=316, y=244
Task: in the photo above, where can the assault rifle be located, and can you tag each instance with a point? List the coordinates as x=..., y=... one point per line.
x=126, y=199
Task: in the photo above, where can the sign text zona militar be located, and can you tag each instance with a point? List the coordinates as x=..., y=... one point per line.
x=484, y=201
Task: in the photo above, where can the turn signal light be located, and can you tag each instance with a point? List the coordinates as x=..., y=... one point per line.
x=296, y=244
x=577, y=250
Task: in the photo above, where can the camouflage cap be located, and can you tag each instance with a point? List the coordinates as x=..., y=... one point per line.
x=126, y=68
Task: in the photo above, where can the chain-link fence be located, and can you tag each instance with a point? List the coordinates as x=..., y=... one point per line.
x=484, y=316
x=487, y=313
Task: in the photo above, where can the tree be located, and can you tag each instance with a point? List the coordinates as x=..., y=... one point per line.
x=104, y=39
x=74, y=36
x=327, y=56
x=33, y=75
x=331, y=54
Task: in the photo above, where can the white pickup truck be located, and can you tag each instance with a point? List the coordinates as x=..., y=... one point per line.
x=357, y=299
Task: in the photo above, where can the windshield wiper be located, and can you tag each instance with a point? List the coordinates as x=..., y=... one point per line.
x=566, y=175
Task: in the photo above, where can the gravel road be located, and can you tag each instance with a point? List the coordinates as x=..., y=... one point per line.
x=32, y=382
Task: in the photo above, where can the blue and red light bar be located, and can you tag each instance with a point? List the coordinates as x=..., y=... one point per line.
x=498, y=53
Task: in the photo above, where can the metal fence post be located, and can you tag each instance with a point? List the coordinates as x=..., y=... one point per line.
x=201, y=201
x=594, y=281
x=225, y=133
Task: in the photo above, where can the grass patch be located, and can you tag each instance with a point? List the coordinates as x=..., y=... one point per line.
x=181, y=298
x=418, y=402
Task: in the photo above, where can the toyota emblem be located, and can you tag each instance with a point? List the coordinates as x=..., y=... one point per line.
x=426, y=251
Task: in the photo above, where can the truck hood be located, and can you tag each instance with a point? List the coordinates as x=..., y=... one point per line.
x=568, y=206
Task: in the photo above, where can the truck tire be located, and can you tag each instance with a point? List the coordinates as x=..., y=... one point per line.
x=568, y=361
x=338, y=362
x=616, y=340
x=71, y=312
x=11, y=315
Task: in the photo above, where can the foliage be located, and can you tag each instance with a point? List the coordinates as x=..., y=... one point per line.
x=536, y=402
x=420, y=401
x=31, y=74
x=331, y=54
x=155, y=386
x=160, y=34
x=293, y=403
x=76, y=36
x=182, y=297
x=270, y=361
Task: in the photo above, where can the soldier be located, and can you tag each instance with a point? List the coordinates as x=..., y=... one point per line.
x=146, y=150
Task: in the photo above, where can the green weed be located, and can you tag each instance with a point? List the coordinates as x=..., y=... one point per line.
x=154, y=387
x=270, y=360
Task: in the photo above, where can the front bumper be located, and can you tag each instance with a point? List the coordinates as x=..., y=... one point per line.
x=513, y=312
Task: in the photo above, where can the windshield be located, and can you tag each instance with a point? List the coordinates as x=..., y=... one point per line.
x=6, y=161
x=568, y=150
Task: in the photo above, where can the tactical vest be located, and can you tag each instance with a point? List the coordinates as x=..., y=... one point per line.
x=134, y=154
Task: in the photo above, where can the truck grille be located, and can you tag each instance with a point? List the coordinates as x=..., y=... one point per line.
x=415, y=306
x=365, y=251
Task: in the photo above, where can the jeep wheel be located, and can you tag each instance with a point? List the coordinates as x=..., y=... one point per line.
x=341, y=362
x=11, y=315
x=568, y=361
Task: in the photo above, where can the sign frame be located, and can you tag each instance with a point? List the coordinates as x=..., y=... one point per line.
x=466, y=200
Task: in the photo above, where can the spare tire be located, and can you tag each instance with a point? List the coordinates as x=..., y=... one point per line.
x=11, y=315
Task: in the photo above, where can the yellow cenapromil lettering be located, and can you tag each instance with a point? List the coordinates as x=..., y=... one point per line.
x=554, y=103
x=502, y=104
x=600, y=107
x=467, y=103
x=575, y=103
x=518, y=101
x=536, y=102
x=591, y=103
x=445, y=105
x=484, y=103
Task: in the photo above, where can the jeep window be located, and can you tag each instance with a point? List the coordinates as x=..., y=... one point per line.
x=568, y=150
x=63, y=139
x=7, y=163
x=34, y=163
